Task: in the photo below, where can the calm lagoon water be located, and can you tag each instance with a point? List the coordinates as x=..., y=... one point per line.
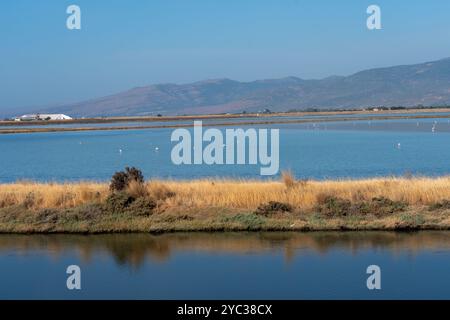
x=322, y=265
x=319, y=151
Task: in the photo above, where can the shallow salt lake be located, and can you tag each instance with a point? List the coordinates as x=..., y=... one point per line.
x=314, y=150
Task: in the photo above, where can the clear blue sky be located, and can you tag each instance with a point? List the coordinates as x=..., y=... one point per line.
x=124, y=44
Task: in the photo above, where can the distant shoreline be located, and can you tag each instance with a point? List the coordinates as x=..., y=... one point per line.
x=267, y=119
x=218, y=116
x=391, y=204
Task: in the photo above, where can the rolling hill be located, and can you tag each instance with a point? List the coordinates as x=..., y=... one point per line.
x=407, y=85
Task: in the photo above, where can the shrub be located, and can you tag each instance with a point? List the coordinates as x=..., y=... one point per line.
x=379, y=206
x=332, y=206
x=118, y=181
x=273, y=207
x=141, y=207
x=382, y=206
x=134, y=174
x=118, y=202
x=121, y=179
x=86, y=212
x=48, y=216
x=337, y=207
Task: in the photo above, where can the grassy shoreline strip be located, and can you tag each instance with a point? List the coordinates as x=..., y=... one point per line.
x=227, y=205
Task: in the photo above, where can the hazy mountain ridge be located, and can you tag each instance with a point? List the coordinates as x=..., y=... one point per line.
x=407, y=85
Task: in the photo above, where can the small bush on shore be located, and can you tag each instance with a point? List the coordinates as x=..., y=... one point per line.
x=122, y=202
x=141, y=207
x=333, y=206
x=273, y=207
x=121, y=179
x=118, y=182
x=381, y=206
x=86, y=212
x=129, y=193
x=118, y=202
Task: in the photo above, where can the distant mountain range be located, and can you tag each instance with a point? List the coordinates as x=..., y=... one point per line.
x=425, y=84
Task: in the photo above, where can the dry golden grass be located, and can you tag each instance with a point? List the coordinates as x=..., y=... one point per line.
x=137, y=189
x=159, y=190
x=288, y=179
x=250, y=194
x=51, y=195
x=234, y=194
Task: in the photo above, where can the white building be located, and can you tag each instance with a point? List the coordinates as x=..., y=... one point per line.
x=43, y=116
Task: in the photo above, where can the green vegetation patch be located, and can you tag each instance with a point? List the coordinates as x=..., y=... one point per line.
x=412, y=220
x=443, y=205
x=330, y=206
x=248, y=220
x=381, y=206
x=273, y=207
